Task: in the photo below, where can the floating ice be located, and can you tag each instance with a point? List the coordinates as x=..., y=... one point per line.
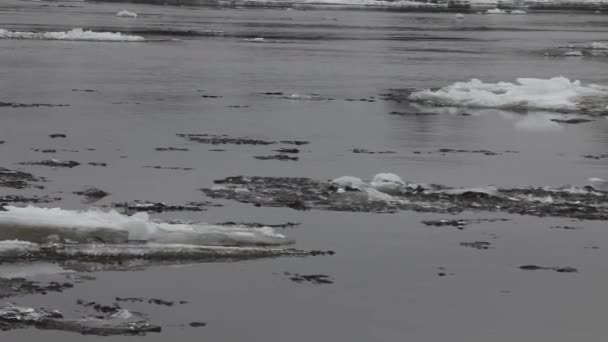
x=42, y=225
x=459, y=16
x=496, y=11
x=126, y=14
x=255, y=40
x=557, y=94
x=573, y=54
x=599, y=184
x=388, y=183
x=348, y=182
x=598, y=46
x=517, y=12
x=76, y=34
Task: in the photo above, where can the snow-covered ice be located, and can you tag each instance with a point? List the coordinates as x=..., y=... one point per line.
x=42, y=225
x=76, y=34
x=556, y=94
x=573, y=54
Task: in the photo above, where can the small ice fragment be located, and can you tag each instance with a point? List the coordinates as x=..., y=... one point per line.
x=599, y=184
x=459, y=16
x=573, y=54
x=518, y=12
x=255, y=40
x=496, y=11
x=388, y=183
x=598, y=46
x=348, y=182
x=126, y=14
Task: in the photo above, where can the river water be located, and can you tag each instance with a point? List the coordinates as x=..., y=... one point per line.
x=200, y=70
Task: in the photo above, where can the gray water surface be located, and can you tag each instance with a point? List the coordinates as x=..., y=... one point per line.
x=386, y=268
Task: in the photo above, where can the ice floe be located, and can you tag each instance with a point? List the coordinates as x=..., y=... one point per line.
x=126, y=14
x=554, y=94
x=598, y=46
x=43, y=225
x=77, y=34
x=496, y=11
x=599, y=184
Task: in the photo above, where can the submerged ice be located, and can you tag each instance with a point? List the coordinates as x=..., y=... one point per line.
x=77, y=34
x=554, y=94
x=42, y=225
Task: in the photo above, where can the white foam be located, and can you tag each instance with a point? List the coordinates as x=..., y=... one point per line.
x=557, y=93
x=42, y=225
x=126, y=14
x=76, y=34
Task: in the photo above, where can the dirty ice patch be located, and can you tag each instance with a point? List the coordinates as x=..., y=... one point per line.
x=43, y=225
x=76, y=34
x=554, y=94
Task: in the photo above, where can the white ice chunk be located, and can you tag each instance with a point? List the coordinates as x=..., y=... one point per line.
x=557, y=93
x=573, y=54
x=349, y=182
x=496, y=11
x=599, y=184
x=388, y=183
x=517, y=12
x=598, y=46
x=38, y=224
x=126, y=14
x=76, y=34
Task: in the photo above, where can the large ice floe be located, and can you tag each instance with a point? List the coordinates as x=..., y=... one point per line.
x=43, y=225
x=555, y=94
x=94, y=236
x=77, y=34
x=388, y=193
